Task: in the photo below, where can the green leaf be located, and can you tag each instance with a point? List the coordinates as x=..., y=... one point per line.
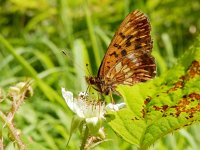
x=162, y=105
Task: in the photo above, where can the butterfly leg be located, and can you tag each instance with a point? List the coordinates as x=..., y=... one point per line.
x=87, y=90
x=111, y=97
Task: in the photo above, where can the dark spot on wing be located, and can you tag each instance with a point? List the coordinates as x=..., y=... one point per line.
x=108, y=67
x=117, y=45
x=115, y=54
x=129, y=37
x=123, y=52
x=138, y=46
x=138, y=39
x=122, y=35
x=128, y=43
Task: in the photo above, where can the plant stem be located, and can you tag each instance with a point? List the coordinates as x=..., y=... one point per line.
x=1, y=144
x=84, y=139
x=12, y=131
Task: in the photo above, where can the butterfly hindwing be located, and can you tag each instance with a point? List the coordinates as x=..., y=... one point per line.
x=134, y=68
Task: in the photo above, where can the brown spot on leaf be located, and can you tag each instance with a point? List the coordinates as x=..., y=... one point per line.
x=178, y=114
x=184, y=96
x=191, y=116
x=147, y=100
x=195, y=95
x=161, y=108
x=164, y=115
x=191, y=72
x=183, y=102
x=135, y=118
x=194, y=69
x=164, y=107
x=184, y=105
x=177, y=85
x=143, y=113
x=156, y=108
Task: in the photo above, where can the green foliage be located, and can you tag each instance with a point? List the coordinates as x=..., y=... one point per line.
x=33, y=35
x=162, y=105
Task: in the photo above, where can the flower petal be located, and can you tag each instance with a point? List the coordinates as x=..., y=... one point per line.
x=84, y=106
x=115, y=107
x=68, y=96
x=93, y=120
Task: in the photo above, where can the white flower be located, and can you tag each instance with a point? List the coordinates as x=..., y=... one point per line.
x=84, y=106
x=115, y=107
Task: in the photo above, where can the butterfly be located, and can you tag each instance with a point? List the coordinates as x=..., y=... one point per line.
x=128, y=59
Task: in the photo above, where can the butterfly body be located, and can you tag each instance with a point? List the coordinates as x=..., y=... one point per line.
x=128, y=59
x=100, y=85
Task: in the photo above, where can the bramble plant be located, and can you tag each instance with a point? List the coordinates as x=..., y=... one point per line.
x=158, y=114
x=17, y=95
x=154, y=109
x=163, y=105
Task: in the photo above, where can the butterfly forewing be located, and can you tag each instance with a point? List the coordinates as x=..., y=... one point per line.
x=128, y=58
x=132, y=35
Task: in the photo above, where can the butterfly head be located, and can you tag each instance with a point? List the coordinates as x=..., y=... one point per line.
x=98, y=84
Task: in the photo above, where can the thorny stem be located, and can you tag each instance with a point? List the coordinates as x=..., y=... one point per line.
x=8, y=119
x=1, y=144
x=15, y=105
x=12, y=131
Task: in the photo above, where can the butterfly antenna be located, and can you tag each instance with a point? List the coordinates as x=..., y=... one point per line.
x=99, y=97
x=111, y=97
x=87, y=89
x=88, y=70
x=66, y=53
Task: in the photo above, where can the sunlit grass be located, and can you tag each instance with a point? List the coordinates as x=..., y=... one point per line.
x=31, y=44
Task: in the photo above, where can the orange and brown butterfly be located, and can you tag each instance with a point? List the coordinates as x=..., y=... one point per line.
x=128, y=59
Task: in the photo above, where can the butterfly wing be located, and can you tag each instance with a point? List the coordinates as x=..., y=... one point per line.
x=133, y=68
x=132, y=37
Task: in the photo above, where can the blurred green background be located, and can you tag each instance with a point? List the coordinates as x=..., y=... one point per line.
x=33, y=34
